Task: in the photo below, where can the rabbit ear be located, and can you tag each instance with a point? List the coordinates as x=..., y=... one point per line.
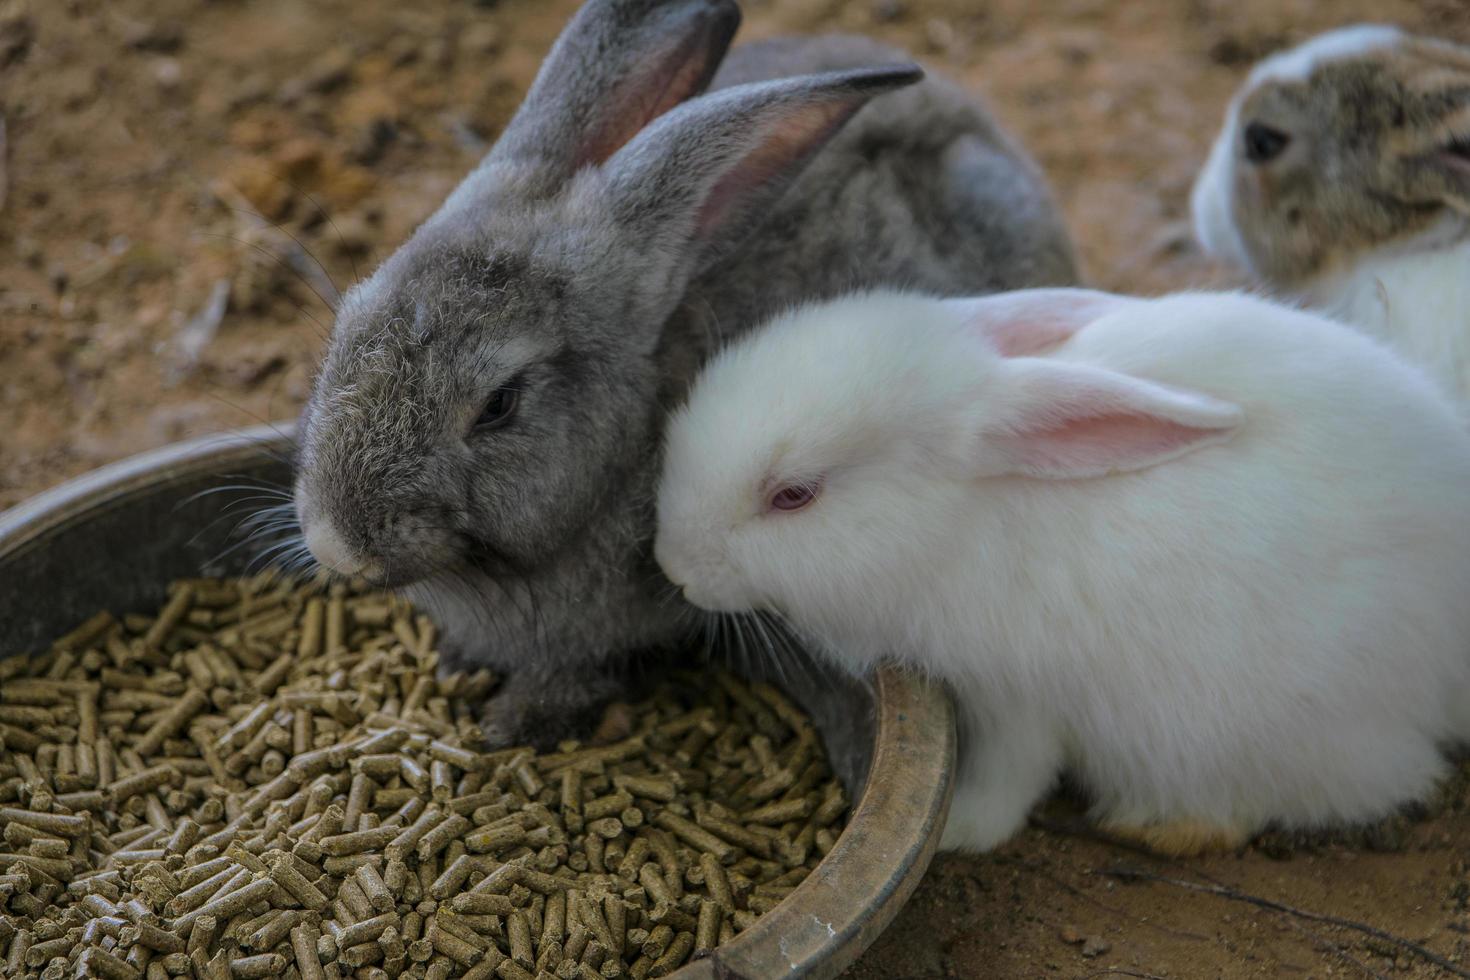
x=1439, y=145
x=1061, y=421
x=618, y=65
x=692, y=185
x=1030, y=320
x=1453, y=164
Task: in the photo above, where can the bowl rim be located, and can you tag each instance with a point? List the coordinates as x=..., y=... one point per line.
x=830, y=918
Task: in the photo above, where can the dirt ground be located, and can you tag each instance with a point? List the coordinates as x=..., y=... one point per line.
x=143, y=139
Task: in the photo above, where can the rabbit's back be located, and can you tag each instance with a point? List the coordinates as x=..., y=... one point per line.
x=1243, y=629
x=921, y=191
x=1337, y=428
x=1314, y=567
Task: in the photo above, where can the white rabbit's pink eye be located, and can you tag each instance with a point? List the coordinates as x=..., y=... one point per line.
x=794, y=497
x=1262, y=143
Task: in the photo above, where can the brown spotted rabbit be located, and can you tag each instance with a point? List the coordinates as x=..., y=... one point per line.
x=1342, y=179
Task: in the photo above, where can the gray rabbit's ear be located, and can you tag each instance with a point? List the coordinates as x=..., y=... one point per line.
x=692, y=185
x=618, y=65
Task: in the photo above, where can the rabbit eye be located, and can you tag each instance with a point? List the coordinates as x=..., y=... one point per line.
x=794, y=496
x=1263, y=144
x=500, y=407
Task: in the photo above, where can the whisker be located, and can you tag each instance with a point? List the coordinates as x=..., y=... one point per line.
x=264, y=489
x=299, y=243
x=277, y=260
x=801, y=658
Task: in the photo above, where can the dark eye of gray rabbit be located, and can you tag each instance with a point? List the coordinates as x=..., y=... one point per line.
x=500, y=408
x=1263, y=144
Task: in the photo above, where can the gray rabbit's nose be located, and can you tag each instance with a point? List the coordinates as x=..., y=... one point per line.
x=328, y=548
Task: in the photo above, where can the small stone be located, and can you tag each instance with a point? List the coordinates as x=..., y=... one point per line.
x=167, y=72
x=17, y=33
x=940, y=34
x=482, y=37
x=1235, y=51
x=75, y=91
x=59, y=277
x=29, y=251
x=165, y=37
x=1175, y=238
x=402, y=50
x=330, y=71
x=351, y=234
x=1095, y=946
x=253, y=371
x=1070, y=935
x=257, y=182
x=373, y=139
x=249, y=90
x=887, y=11
x=299, y=155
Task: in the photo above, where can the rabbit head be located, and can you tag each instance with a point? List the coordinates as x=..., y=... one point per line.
x=1357, y=140
x=823, y=461
x=493, y=387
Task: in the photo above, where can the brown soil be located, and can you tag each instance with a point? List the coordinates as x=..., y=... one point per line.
x=145, y=135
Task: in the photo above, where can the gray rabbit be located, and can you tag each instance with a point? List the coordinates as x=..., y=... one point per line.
x=484, y=430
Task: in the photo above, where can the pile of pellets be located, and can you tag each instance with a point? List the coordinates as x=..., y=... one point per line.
x=269, y=779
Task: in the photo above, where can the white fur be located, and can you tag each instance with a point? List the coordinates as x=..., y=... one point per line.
x=1212, y=200
x=328, y=548
x=1416, y=300
x=1298, y=63
x=1271, y=627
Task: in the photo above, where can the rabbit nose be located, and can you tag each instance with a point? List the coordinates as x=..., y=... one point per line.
x=328, y=548
x=697, y=598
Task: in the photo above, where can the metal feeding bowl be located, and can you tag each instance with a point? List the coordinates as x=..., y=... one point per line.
x=113, y=540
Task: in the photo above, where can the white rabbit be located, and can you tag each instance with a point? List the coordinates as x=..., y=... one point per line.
x=1207, y=554
x=1341, y=177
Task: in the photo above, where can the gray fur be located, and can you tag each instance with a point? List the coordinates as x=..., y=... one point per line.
x=602, y=291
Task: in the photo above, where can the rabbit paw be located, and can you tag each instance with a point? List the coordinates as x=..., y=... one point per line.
x=541, y=712
x=1181, y=838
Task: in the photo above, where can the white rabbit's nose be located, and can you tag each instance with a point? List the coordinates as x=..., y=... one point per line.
x=328, y=548
x=708, y=599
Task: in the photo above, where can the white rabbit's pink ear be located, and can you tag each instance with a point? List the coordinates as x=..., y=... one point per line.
x=1061, y=421
x=1028, y=321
